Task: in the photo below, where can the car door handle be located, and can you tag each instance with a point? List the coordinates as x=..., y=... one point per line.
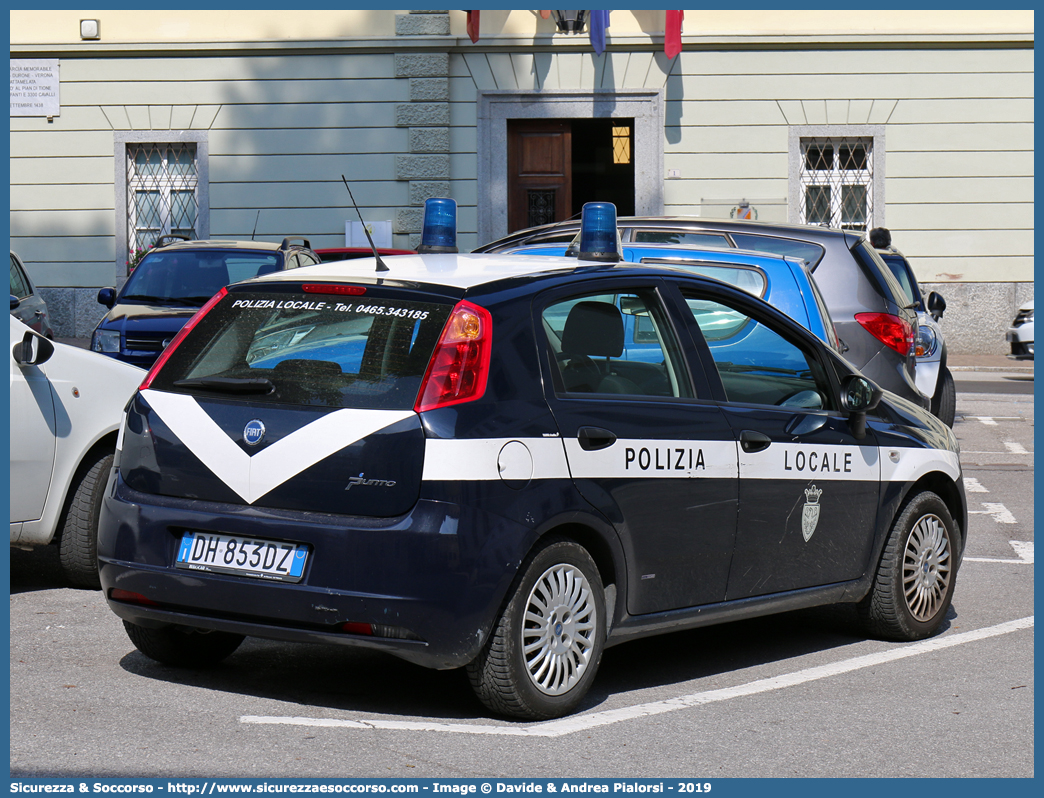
x=752, y=441
x=593, y=438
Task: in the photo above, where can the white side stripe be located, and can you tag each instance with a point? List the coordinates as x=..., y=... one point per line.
x=807, y=461
x=654, y=459
x=480, y=458
x=253, y=476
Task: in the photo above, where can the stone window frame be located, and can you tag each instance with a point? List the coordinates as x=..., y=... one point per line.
x=121, y=138
x=496, y=107
x=796, y=133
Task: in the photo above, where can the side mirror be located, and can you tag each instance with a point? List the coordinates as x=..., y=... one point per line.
x=858, y=396
x=107, y=297
x=32, y=350
x=936, y=305
x=15, y=302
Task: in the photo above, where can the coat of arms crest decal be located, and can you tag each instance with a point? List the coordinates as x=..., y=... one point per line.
x=810, y=512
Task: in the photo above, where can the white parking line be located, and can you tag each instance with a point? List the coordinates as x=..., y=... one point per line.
x=1022, y=548
x=972, y=485
x=1000, y=513
x=1015, y=448
x=579, y=723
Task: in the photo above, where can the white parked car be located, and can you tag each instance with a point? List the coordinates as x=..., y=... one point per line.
x=1020, y=333
x=66, y=410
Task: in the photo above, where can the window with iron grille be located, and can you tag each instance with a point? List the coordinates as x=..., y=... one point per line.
x=837, y=176
x=162, y=192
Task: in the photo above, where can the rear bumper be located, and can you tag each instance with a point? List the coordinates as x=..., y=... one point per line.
x=427, y=572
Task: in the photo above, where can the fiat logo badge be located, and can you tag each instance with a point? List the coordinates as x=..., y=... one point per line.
x=253, y=432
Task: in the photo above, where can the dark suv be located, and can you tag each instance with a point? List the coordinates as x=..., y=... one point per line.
x=173, y=281
x=872, y=316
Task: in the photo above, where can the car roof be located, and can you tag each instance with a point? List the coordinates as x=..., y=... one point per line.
x=467, y=271
x=454, y=270
x=217, y=243
x=700, y=221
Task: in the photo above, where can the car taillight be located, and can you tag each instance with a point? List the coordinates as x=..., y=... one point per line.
x=169, y=349
x=890, y=330
x=459, y=367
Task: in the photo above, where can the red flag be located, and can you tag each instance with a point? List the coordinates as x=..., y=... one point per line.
x=672, y=31
x=473, y=26
x=545, y=14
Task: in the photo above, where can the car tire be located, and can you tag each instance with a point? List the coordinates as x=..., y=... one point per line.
x=182, y=648
x=944, y=403
x=913, y=586
x=537, y=669
x=78, y=524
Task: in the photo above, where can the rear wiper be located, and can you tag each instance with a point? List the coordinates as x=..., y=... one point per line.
x=228, y=384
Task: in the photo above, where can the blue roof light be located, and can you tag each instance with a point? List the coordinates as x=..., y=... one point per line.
x=599, y=239
x=440, y=226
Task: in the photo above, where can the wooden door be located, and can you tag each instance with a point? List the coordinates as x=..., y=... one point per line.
x=540, y=164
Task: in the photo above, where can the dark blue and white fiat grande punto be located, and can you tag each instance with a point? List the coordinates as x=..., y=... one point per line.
x=508, y=463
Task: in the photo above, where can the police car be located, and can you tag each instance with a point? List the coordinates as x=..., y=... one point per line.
x=455, y=459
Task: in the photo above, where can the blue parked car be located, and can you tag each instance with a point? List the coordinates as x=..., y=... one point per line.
x=780, y=280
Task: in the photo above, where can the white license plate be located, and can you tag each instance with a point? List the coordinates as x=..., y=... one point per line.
x=265, y=559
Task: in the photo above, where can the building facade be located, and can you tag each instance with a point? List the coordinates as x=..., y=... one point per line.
x=233, y=124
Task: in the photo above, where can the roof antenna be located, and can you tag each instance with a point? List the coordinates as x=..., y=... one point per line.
x=255, y=223
x=381, y=266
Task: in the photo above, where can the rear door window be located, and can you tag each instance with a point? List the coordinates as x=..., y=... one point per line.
x=681, y=237
x=309, y=349
x=619, y=343
x=803, y=250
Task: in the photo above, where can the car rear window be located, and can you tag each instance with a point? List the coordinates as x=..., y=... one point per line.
x=898, y=267
x=880, y=274
x=309, y=349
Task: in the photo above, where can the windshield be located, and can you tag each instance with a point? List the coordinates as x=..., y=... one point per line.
x=191, y=277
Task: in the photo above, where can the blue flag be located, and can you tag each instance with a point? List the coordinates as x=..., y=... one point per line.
x=599, y=22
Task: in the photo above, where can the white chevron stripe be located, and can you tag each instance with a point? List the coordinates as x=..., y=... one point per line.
x=251, y=477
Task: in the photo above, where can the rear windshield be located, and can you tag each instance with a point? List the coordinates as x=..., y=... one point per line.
x=192, y=277
x=899, y=271
x=887, y=285
x=309, y=349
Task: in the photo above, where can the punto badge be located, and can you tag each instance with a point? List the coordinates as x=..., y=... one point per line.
x=810, y=512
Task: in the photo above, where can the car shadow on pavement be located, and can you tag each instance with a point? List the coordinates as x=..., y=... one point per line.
x=37, y=569
x=322, y=680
